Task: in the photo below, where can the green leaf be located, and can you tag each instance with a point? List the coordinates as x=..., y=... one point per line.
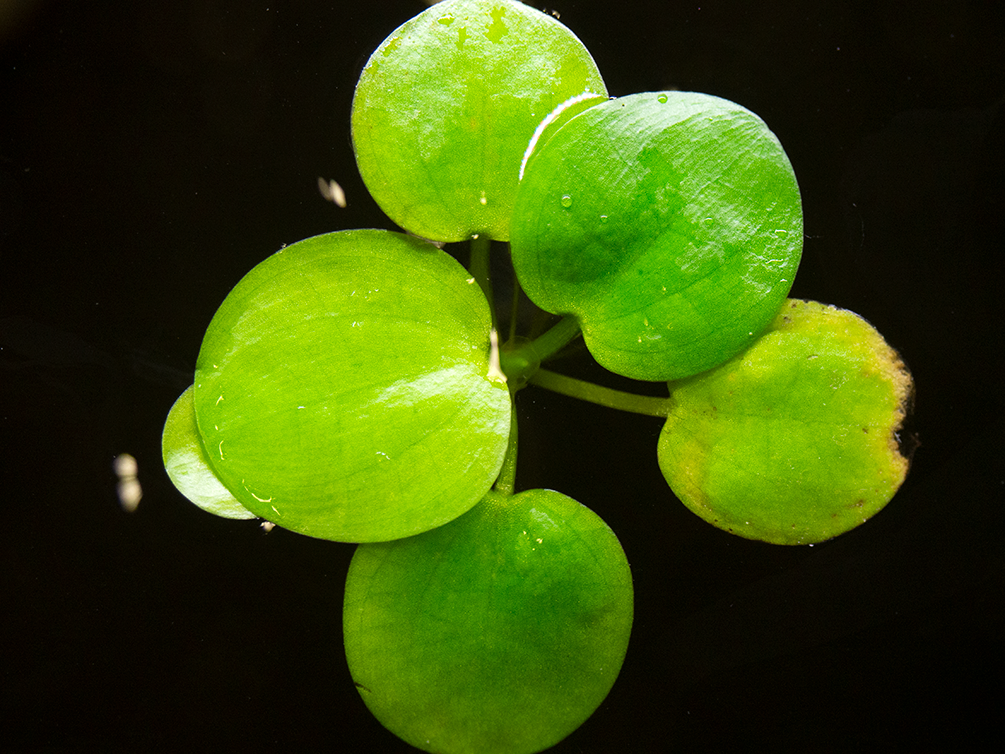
x=343, y=390
x=557, y=118
x=669, y=224
x=186, y=464
x=499, y=632
x=794, y=441
x=446, y=105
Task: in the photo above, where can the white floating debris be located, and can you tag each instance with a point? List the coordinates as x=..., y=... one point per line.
x=129, y=489
x=331, y=191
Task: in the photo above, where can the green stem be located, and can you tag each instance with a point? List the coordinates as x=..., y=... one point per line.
x=480, y=246
x=603, y=396
x=521, y=357
x=549, y=343
x=514, y=306
x=506, y=482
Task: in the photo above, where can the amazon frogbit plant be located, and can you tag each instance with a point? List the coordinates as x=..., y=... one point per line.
x=354, y=386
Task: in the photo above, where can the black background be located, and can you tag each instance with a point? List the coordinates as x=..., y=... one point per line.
x=152, y=152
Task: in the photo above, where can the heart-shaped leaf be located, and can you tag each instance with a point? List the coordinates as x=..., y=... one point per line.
x=445, y=107
x=343, y=388
x=795, y=440
x=669, y=224
x=499, y=633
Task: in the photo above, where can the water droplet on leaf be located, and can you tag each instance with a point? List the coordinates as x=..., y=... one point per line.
x=566, y=200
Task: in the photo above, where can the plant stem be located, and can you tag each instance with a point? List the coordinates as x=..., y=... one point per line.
x=480, y=246
x=603, y=396
x=550, y=342
x=514, y=307
x=507, y=475
x=522, y=357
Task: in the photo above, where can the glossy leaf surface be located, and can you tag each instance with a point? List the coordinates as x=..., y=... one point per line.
x=795, y=440
x=342, y=388
x=500, y=632
x=669, y=224
x=445, y=107
x=187, y=466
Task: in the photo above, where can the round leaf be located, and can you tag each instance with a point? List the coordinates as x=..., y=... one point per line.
x=445, y=107
x=795, y=440
x=499, y=632
x=669, y=224
x=343, y=390
x=186, y=464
